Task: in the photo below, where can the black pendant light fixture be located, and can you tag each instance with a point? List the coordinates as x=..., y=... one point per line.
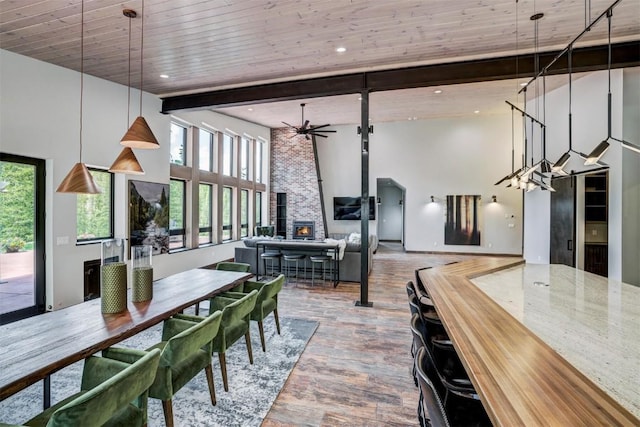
x=595, y=155
x=139, y=134
x=79, y=180
x=558, y=166
x=127, y=162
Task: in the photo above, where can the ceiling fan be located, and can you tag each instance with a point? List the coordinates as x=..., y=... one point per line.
x=306, y=129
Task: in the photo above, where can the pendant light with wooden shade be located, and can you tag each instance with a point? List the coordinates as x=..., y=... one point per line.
x=139, y=134
x=79, y=179
x=127, y=162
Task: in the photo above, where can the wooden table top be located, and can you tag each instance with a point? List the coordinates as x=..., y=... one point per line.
x=32, y=348
x=520, y=379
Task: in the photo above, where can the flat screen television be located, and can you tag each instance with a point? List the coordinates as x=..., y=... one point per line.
x=348, y=208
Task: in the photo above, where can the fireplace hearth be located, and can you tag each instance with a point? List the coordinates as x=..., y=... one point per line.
x=304, y=230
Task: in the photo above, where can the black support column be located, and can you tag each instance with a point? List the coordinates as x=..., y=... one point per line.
x=364, y=202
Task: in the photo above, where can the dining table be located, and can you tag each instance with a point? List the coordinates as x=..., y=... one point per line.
x=34, y=348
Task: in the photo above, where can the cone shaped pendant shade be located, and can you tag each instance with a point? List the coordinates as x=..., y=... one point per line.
x=79, y=180
x=139, y=135
x=127, y=163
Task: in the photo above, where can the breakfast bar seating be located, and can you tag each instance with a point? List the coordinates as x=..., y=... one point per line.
x=520, y=378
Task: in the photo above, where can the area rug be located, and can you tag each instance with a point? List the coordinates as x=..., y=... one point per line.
x=252, y=388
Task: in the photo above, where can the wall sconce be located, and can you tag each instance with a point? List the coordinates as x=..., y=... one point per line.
x=433, y=200
x=494, y=199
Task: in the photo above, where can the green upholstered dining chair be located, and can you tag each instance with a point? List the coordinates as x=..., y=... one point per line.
x=240, y=267
x=113, y=393
x=186, y=350
x=235, y=323
x=266, y=302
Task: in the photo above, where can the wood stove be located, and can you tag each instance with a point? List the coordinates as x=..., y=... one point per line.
x=304, y=230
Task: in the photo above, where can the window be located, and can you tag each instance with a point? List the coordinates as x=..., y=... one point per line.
x=204, y=215
x=244, y=213
x=94, y=213
x=259, y=147
x=227, y=155
x=258, y=208
x=244, y=158
x=206, y=150
x=177, y=235
x=215, y=195
x=178, y=154
x=227, y=213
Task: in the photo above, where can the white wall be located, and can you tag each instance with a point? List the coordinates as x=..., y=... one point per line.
x=39, y=117
x=631, y=179
x=589, y=111
x=435, y=157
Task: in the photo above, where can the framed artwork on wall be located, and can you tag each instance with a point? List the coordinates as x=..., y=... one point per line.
x=462, y=225
x=149, y=215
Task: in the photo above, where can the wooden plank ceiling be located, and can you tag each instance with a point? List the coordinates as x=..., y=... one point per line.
x=203, y=45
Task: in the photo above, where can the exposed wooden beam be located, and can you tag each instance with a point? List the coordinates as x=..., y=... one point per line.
x=584, y=59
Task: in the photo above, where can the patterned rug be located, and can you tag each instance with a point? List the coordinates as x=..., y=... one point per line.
x=252, y=388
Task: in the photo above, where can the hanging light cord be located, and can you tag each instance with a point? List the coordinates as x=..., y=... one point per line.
x=569, y=58
x=513, y=137
x=81, y=69
x=609, y=15
x=141, y=51
x=129, y=76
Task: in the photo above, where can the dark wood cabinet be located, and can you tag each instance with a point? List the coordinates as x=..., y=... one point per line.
x=595, y=198
x=596, y=259
x=596, y=208
x=281, y=214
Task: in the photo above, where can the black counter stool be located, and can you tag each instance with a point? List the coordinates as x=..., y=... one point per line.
x=271, y=259
x=322, y=260
x=291, y=260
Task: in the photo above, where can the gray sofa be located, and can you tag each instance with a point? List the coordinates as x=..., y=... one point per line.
x=349, y=265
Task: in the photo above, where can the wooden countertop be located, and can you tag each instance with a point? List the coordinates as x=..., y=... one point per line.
x=520, y=379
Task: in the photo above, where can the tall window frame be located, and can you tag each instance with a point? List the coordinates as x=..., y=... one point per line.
x=245, y=144
x=178, y=146
x=227, y=214
x=258, y=209
x=206, y=148
x=222, y=161
x=244, y=213
x=90, y=229
x=228, y=148
x=177, y=214
x=258, y=160
x=205, y=214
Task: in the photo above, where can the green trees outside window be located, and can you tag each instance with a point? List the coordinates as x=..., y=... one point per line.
x=17, y=209
x=94, y=218
x=176, y=214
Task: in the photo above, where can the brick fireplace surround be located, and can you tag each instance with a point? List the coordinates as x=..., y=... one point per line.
x=293, y=171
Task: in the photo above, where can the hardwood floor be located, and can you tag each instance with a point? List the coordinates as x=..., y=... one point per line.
x=356, y=369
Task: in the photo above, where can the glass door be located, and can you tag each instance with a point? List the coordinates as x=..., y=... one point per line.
x=22, y=197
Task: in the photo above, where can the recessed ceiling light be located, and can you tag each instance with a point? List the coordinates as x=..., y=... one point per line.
x=341, y=49
x=359, y=98
x=477, y=112
x=164, y=76
x=523, y=84
x=250, y=109
x=437, y=91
